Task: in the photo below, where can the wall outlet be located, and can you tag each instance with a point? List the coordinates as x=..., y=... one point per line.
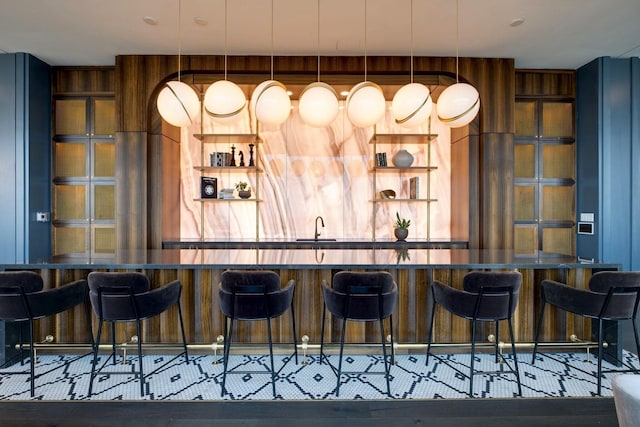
x=42, y=216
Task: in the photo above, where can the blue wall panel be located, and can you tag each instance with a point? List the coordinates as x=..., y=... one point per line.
x=8, y=167
x=608, y=102
x=25, y=157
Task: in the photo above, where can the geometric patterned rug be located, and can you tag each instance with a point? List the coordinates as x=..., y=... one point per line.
x=201, y=378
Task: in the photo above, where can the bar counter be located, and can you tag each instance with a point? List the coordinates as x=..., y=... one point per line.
x=413, y=268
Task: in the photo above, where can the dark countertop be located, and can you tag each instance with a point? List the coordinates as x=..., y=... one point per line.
x=310, y=243
x=318, y=258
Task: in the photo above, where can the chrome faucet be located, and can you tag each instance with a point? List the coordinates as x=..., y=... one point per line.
x=317, y=234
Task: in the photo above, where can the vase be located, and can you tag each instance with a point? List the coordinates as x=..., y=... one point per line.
x=402, y=159
x=244, y=194
x=401, y=233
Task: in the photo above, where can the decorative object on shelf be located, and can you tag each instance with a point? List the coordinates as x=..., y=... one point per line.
x=208, y=187
x=459, y=103
x=401, y=230
x=387, y=194
x=224, y=100
x=412, y=103
x=219, y=159
x=251, y=162
x=244, y=191
x=226, y=193
x=178, y=103
x=414, y=187
x=233, y=156
x=318, y=105
x=402, y=159
x=241, y=154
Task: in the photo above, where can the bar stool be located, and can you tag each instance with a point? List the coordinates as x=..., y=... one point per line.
x=127, y=297
x=361, y=297
x=252, y=296
x=23, y=299
x=485, y=296
x=612, y=295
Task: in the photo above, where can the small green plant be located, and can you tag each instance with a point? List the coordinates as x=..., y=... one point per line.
x=402, y=222
x=242, y=186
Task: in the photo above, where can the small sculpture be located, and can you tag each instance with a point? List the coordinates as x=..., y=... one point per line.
x=233, y=156
x=241, y=158
x=251, y=163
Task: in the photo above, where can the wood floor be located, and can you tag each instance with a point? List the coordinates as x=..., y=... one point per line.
x=548, y=412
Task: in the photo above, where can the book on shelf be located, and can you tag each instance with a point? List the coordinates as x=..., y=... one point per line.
x=381, y=159
x=414, y=187
x=208, y=187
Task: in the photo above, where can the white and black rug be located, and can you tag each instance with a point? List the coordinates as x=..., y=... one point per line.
x=201, y=378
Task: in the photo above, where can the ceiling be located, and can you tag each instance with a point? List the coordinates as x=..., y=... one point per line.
x=556, y=34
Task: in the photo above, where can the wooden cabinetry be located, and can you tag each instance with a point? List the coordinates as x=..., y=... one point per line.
x=239, y=167
x=84, y=175
x=412, y=184
x=544, y=171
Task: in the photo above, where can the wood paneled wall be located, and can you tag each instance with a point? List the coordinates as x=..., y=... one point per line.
x=138, y=80
x=83, y=80
x=204, y=320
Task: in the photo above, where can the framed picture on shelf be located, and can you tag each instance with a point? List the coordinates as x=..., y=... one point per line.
x=208, y=187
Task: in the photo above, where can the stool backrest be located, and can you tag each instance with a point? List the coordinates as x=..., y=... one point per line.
x=14, y=285
x=623, y=293
x=361, y=295
x=253, y=295
x=498, y=292
x=112, y=294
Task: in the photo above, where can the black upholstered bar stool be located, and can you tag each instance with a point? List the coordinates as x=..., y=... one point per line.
x=253, y=296
x=612, y=295
x=128, y=297
x=23, y=299
x=486, y=296
x=361, y=297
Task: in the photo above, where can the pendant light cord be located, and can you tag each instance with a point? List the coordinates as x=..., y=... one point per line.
x=225, y=39
x=271, y=39
x=411, y=29
x=365, y=40
x=457, y=35
x=318, y=40
x=179, y=34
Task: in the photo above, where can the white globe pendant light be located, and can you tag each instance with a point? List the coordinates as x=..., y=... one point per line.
x=365, y=104
x=458, y=105
x=270, y=103
x=178, y=103
x=224, y=101
x=412, y=105
x=318, y=105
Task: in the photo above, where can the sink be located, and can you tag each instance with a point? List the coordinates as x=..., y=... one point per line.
x=315, y=240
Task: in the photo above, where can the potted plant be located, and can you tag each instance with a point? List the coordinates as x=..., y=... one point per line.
x=244, y=191
x=401, y=230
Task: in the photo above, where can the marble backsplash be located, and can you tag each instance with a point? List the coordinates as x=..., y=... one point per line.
x=307, y=172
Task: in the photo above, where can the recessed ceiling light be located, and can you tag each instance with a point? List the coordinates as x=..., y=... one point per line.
x=517, y=22
x=200, y=21
x=150, y=20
